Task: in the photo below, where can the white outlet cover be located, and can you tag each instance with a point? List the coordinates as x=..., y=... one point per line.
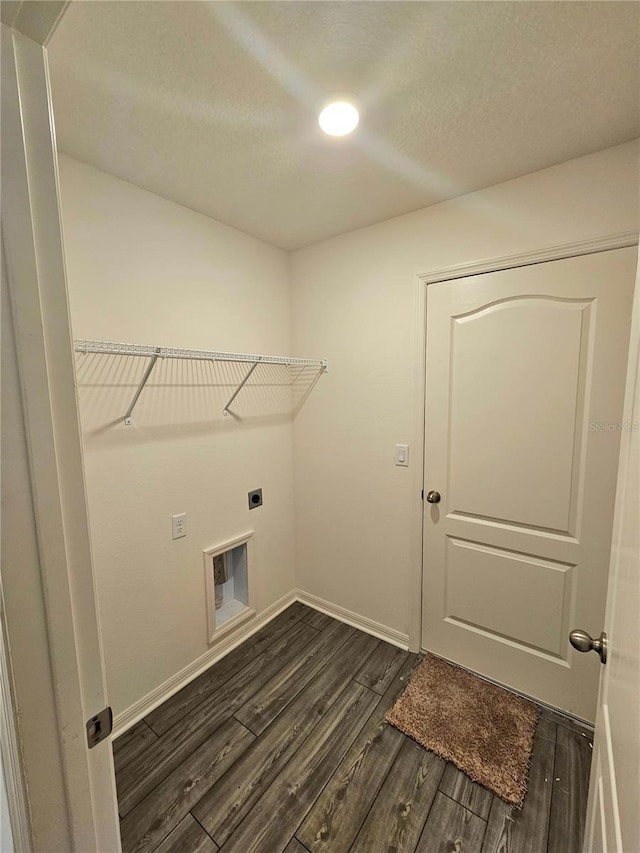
x=179, y=525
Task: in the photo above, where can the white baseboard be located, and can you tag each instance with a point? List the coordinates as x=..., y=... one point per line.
x=126, y=719
x=389, y=635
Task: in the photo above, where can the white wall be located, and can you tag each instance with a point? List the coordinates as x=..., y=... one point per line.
x=145, y=270
x=354, y=303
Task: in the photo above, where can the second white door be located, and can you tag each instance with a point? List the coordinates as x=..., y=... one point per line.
x=524, y=393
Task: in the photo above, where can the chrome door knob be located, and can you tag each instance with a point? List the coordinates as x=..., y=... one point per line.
x=584, y=642
x=433, y=497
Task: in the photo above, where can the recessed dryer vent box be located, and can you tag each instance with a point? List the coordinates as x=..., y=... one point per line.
x=228, y=585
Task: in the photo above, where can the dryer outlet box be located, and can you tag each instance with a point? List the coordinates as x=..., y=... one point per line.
x=255, y=498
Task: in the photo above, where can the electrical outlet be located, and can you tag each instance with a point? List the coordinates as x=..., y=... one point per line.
x=179, y=525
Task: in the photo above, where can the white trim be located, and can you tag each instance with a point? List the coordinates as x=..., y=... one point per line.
x=389, y=635
x=11, y=757
x=37, y=287
x=606, y=243
x=228, y=627
x=37, y=21
x=160, y=694
x=417, y=503
x=607, y=748
x=621, y=240
x=213, y=631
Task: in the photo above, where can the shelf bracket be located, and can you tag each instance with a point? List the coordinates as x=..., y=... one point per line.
x=152, y=363
x=225, y=411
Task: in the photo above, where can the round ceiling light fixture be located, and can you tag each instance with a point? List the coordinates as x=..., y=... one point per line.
x=338, y=116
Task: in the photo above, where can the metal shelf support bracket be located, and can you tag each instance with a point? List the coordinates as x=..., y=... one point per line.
x=152, y=363
x=225, y=411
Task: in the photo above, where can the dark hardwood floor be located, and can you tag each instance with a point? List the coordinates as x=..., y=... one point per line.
x=282, y=746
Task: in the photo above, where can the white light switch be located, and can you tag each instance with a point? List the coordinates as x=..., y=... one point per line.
x=402, y=455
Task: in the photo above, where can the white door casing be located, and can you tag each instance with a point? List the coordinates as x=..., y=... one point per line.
x=36, y=279
x=522, y=367
x=614, y=790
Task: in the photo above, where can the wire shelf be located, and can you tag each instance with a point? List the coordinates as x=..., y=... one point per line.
x=114, y=348
x=153, y=353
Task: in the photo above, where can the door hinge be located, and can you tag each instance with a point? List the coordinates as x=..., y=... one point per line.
x=99, y=727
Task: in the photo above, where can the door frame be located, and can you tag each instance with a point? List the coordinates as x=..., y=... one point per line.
x=606, y=243
x=10, y=751
x=74, y=688
x=606, y=788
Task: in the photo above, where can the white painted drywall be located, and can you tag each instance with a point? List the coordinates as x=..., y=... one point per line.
x=354, y=303
x=145, y=270
x=142, y=269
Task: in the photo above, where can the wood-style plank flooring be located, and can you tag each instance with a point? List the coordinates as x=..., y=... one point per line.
x=282, y=746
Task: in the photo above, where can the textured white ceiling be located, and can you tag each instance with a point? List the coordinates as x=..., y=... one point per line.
x=212, y=104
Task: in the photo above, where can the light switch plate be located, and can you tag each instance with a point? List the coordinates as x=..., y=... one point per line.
x=402, y=455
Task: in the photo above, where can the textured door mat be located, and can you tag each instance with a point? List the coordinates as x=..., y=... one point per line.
x=487, y=732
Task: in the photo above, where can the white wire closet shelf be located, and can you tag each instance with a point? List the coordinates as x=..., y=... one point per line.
x=153, y=353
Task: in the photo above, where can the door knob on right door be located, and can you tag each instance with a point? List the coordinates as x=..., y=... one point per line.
x=433, y=497
x=584, y=642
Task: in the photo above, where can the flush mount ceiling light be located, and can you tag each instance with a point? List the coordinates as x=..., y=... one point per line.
x=338, y=116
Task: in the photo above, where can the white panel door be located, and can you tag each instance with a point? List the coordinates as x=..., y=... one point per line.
x=524, y=391
x=614, y=792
